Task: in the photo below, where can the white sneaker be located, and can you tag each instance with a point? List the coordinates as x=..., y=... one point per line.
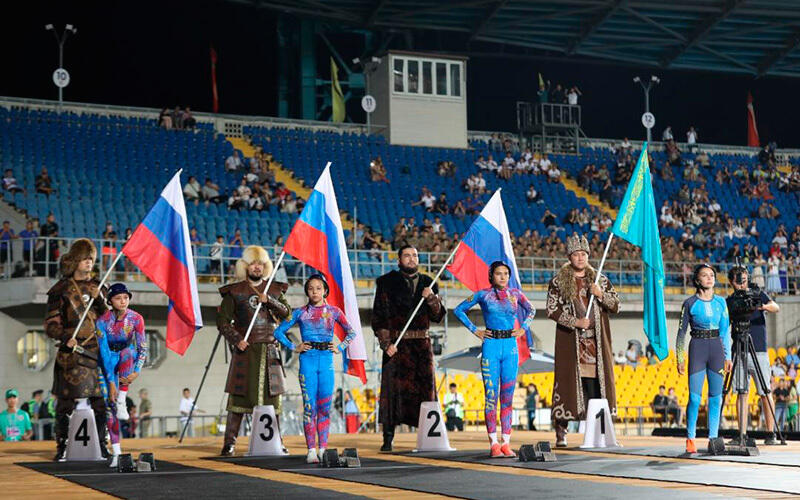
x=312, y=457
x=114, y=461
x=321, y=452
x=122, y=412
x=116, y=450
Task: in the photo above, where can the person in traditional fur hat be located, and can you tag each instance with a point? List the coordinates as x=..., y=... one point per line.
x=255, y=376
x=76, y=375
x=584, y=359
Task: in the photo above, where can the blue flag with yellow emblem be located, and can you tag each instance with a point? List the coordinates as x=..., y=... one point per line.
x=637, y=223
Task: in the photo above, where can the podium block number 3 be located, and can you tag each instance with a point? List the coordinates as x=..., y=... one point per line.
x=266, y=419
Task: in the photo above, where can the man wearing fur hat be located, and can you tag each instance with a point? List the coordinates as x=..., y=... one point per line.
x=255, y=376
x=75, y=375
x=584, y=361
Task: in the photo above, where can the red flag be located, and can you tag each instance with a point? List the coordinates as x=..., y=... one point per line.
x=214, y=79
x=752, y=131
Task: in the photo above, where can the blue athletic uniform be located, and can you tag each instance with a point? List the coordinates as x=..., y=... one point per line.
x=707, y=356
x=506, y=309
x=316, y=366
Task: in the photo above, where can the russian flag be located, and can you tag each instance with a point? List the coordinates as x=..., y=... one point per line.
x=488, y=240
x=317, y=239
x=161, y=248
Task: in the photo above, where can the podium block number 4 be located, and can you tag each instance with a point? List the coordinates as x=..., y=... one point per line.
x=82, y=434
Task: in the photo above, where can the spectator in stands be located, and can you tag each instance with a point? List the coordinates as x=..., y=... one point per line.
x=554, y=174
x=674, y=408
x=192, y=190
x=459, y=210
x=233, y=163
x=165, y=119
x=28, y=236
x=544, y=91
x=426, y=199
x=660, y=403
x=703, y=160
x=481, y=163
x=691, y=139
x=210, y=192
x=632, y=355
x=290, y=205
x=666, y=136
x=762, y=191
x=573, y=94
x=377, y=171
x=557, y=96
x=491, y=165
x=189, y=121
x=194, y=238
x=533, y=196
x=781, y=396
x=441, y=206
x=10, y=182
x=240, y=197
x=43, y=182
x=472, y=205
x=216, y=254
x=673, y=153
x=773, y=274
x=549, y=219
x=6, y=249
x=177, y=118
x=237, y=243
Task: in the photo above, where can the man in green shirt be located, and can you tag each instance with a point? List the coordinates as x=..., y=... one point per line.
x=15, y=424
x=145, y=413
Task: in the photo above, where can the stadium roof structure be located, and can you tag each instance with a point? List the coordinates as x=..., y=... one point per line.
x=755, y=37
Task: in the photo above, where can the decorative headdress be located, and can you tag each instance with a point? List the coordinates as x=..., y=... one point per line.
x=576, y=243
x=253, y=253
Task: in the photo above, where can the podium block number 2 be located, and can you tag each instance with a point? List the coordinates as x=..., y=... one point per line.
x=437, y=420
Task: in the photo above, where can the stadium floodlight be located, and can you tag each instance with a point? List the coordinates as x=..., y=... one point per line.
x=636, y=79
x=60, y=39
x=376, y=60
x=654, y=78
x=356, y=60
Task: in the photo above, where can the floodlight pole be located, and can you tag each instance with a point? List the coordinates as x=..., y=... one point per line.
x=654, y=80
x=60, y=40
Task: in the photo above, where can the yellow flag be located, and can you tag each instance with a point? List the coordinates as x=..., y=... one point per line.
x=541, y=81
x=337, y=98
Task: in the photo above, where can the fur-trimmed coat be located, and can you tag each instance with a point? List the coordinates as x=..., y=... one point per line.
x=562, y=297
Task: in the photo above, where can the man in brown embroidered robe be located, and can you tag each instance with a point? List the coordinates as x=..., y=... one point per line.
x=407, y=378
x=584, y=359
x=255, y=376
x=75, y=375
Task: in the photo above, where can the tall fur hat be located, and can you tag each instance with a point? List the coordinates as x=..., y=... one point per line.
x=576, y=243
x=253, y=253
x=80, y=249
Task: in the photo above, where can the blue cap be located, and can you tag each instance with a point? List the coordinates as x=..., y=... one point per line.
x=116, y=289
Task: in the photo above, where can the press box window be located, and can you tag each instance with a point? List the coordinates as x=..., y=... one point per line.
x=399, y=75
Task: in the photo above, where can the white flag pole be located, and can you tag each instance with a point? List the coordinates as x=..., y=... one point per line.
x=266, y=291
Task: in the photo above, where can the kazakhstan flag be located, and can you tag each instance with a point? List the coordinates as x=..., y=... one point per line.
x=637, y=224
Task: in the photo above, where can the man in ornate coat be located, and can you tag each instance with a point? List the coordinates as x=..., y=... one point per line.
x=255, y=376
x=75, y=375
x=408, y=376
x=584, y=359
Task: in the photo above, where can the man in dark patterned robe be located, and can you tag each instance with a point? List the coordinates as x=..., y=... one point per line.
x=408, y=375
x=584, y=359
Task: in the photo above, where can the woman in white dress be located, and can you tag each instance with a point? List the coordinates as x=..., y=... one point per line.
x=773, y=275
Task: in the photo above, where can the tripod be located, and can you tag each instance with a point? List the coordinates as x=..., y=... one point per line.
x=742, y=345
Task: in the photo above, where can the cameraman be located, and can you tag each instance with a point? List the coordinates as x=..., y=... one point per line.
x=739, y=279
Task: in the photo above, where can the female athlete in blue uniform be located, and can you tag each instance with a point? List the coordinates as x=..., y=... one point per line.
x=504, y=310
x=709, y=351
x=316, y=321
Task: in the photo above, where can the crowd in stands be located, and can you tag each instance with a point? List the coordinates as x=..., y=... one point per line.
x=177, y=119
x=526, y=163
x=560, y=94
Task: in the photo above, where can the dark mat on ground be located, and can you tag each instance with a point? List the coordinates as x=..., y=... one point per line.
x=699, y=472
x=172, y=480
x=457, y=482
x=770, y=455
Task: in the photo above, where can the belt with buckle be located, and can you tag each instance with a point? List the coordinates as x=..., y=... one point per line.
x=320, y=346
x=501, y=334
x=705, y=334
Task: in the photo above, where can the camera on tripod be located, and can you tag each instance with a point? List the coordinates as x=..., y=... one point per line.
x=743, y=303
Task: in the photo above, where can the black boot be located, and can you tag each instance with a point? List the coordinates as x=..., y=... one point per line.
x=770, y=440
x=102, y=436
x=61, y=450
x=227, y=450
x=388, y=436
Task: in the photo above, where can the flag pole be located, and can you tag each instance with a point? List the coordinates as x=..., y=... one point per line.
x=91, y=301
x=266, y=291
x=421, y=300
x=599, y=269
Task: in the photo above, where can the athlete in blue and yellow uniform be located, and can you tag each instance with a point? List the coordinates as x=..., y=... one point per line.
x=316, y=320
x=709, y=351
x=507, y=314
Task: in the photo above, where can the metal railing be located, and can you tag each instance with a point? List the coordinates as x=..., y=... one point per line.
x=215, y=263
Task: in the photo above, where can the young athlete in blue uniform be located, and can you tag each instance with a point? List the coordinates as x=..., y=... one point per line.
x=709, y=351
x=316, y=320
x=507, y=314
